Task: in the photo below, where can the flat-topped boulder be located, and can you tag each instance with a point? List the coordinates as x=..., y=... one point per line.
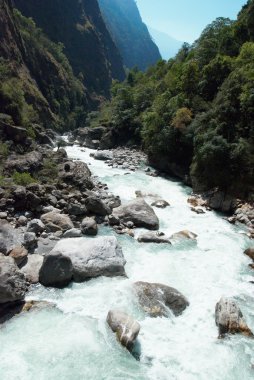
x=229, y=318
x=138, y=212
x=157, y=300
x=92, y=257
x=125, y=327
x=12, y=281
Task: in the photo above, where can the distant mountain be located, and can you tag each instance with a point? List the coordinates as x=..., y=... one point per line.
x=130, y=34
x=167, y=45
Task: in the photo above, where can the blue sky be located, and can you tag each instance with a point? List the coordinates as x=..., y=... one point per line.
x=185, y=19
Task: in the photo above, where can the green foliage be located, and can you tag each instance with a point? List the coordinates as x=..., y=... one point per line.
x=49, y=172
x=4, y=151
x=22, y=179
x=196, y=111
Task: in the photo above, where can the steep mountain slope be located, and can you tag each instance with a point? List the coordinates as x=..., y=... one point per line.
x=88, y=45
x=36, y=81
x=129, y=33
x=167, y=45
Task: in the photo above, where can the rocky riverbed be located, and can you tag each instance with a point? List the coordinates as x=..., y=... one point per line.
x=74, y=240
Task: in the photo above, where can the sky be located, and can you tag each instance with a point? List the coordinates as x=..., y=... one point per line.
x=185, y=19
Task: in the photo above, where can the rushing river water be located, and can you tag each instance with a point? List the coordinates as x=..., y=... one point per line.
x=73, y=342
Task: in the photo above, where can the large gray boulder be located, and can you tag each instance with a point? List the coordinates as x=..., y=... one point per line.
x=229, y=318
x=56, y=270
x=96, y=206
x=54, y=220
x=157, y=300
x=138, y=212
x=9, y=238
x=125, y=327
x=101, y=256
x=12, y=281
x=153, y=237
x=32, y=268
x=103, y=155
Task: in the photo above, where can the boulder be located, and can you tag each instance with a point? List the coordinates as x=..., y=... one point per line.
x=56, y=270
x=138, y=212
x=32, y=268
x=36, y=226
x=153, y=237
x=185, y=234
x=101, y=256
x=125, y=327
x=77, y=174
x=229, y=318
x=30, y=240
x=103, y=155
x=54, y=218
x=113, y=220
x=97, y=206
x=89, y=227
x=76, y=209
x=157, y=300
x=19, y=254
x=160, y=203
x=9, y=238
x=12, y=281
x=250, y=252
x=73, y=233
x=29, y=162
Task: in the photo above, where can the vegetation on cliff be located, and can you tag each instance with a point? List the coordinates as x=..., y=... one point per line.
x=37, y=84
x=195, y=113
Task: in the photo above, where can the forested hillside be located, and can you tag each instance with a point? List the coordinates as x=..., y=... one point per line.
x=194, y=115
x=129, y=33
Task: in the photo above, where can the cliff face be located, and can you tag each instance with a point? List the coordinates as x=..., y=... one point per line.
x=37, y=84
x=130, y=34
x=78, y=24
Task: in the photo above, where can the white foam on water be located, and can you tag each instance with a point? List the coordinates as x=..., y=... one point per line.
x=73, y=341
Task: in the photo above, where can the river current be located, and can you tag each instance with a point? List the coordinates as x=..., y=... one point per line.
x=73, y=342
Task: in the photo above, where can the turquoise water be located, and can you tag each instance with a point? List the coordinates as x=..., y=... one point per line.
x=73, y=341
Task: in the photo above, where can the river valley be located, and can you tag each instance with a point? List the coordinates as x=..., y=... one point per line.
x=73, y=341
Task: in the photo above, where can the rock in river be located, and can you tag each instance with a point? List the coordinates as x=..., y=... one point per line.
x=12, y=281
x=185, y=234
x=160, y=203
x=157, y=299
x=153, y=237
x=138, y=212
x=101, y=256
x=250, y=252
x=125, y=327
x=229, y=318
x=89, y=227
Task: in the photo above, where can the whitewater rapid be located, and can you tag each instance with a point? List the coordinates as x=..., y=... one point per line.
x=73, y=342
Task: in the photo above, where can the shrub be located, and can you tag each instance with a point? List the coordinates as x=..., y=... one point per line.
x=22, y=179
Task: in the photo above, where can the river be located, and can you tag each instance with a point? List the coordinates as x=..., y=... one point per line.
x=73, y=342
